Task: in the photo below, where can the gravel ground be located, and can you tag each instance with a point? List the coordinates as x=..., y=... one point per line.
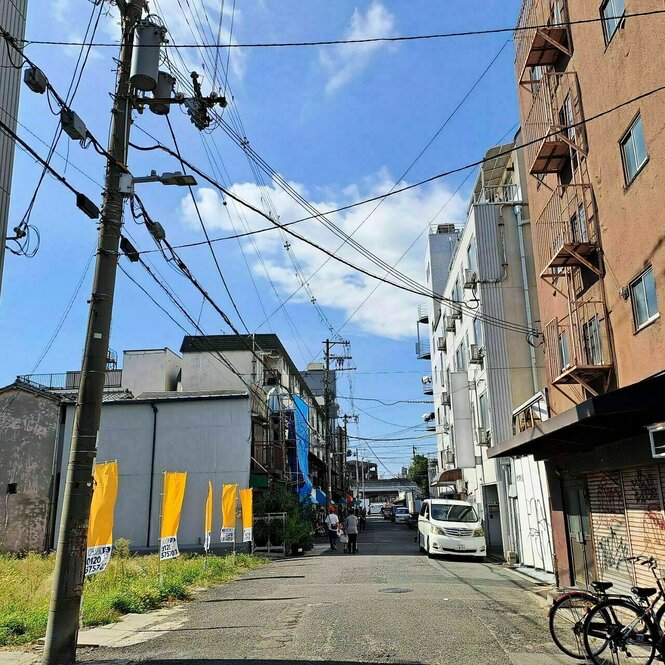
x=387, y=604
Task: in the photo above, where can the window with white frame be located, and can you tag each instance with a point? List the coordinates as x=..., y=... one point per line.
x=634, y=150
x=643, y=296
x=484, y=414
x=611, y=12
x=478, y=332
x=563, y=350
x=460, y=358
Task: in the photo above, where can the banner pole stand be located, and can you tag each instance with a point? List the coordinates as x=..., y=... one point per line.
x=159, y=539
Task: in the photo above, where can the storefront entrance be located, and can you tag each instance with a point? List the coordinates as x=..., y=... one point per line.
x=579, y=532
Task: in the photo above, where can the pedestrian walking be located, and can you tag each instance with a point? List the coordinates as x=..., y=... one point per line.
x=331, y=523
x=343, y=537
x=362, y=520
x=352, y=532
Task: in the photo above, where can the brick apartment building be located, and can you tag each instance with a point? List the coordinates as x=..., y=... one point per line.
x=596, y=193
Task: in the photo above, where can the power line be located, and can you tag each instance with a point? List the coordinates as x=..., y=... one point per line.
x=366, y=40
x=418, y=289
x=205, y=230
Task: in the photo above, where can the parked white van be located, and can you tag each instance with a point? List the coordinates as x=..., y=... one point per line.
x=450, y=527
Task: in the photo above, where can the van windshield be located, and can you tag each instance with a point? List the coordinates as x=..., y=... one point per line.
x=453, y=513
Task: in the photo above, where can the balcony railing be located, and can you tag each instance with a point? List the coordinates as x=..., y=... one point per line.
x=428, y=386
x=69, y=380
x=566, y=233
x=553, y=126
x=268, y=457
x=498, y=194
x=578, y=346
x=542, y=36
x=423, y=351
x=423, y=313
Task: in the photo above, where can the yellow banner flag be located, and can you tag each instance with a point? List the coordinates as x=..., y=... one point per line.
x=100, y=527
x=174, y=493
x=229, y=501
x=208, y=524
x=246, y=502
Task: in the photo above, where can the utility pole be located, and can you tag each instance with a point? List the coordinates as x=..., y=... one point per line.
x=327, y=398
x=346, y=419
x=63, y=619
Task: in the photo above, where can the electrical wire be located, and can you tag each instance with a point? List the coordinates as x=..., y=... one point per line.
x=205, y=230
x=373, y=40
x=419, y=290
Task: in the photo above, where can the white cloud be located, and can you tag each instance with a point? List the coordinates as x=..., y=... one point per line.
x=345, y=61
x=387, y=233
x=183, y=29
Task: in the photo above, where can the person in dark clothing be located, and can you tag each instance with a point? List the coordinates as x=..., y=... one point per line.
x=352, y=532
x=362, y=520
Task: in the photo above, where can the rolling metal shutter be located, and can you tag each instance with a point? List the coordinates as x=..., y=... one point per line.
x=611, y=540
x=643, y=492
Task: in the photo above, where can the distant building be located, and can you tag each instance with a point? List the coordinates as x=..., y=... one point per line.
x=484, y=366
x=164, y=412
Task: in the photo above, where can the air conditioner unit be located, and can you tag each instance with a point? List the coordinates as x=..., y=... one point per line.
x=456, y=310
x=460, y=486
x=441, y=344
x=445, y=398
x=470, y=279
x=448, y=456
x=476, y=354
x=449, y=323
x=483, y=437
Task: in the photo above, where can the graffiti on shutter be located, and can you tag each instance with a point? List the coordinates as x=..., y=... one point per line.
x=646, y=522
x=611, y=542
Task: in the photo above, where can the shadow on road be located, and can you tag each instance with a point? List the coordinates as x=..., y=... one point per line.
x=242, y=661
x=248, y=600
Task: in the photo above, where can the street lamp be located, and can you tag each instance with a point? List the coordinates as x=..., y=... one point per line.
x=168, y=178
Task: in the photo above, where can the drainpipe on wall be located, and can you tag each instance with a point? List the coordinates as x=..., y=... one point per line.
x=155, y=410
x=527, y=300
x=49, y=536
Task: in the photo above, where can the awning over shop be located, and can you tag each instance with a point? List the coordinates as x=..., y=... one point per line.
x=619, y=414
x=448, y=477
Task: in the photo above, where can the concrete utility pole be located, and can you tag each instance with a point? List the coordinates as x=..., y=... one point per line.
x=326, y=405
x=63, y=619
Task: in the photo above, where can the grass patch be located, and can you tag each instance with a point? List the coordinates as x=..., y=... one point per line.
x=128, y=585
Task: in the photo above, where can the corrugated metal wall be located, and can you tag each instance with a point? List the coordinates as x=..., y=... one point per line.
x=491, y=296
x=627, y=519
x=12, y=18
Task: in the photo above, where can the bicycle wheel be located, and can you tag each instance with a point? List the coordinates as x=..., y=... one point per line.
x=616, y=632
x=566, y=619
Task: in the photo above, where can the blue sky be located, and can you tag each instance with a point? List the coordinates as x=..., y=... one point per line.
x=340, y=123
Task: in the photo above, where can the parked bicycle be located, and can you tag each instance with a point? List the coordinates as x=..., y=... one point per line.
x=568, y=613
x=621, y=629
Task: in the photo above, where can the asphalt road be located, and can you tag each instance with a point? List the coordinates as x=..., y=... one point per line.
x=386, y=604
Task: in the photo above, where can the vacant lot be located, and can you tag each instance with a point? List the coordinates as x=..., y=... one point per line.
x=129, y=584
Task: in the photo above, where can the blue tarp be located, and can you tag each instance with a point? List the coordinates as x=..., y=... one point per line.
x=301, y=412
x=318, y=497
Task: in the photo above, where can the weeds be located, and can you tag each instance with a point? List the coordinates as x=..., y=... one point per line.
x=129, y=584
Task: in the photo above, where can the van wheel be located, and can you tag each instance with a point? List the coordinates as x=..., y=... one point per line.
x=420, y=546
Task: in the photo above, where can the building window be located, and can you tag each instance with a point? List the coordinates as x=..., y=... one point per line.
x=478, y=332
x=472, y=256
x=643, y=295
x=563, y=349
x=634, y=150
x=592, y=346
x=484, y=412
x=460, y=357
x=611, y=11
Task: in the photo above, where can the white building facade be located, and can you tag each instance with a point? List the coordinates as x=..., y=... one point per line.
x=487, y=368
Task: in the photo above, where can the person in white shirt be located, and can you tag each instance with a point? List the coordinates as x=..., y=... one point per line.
x=331, y=523
x=352, y=532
